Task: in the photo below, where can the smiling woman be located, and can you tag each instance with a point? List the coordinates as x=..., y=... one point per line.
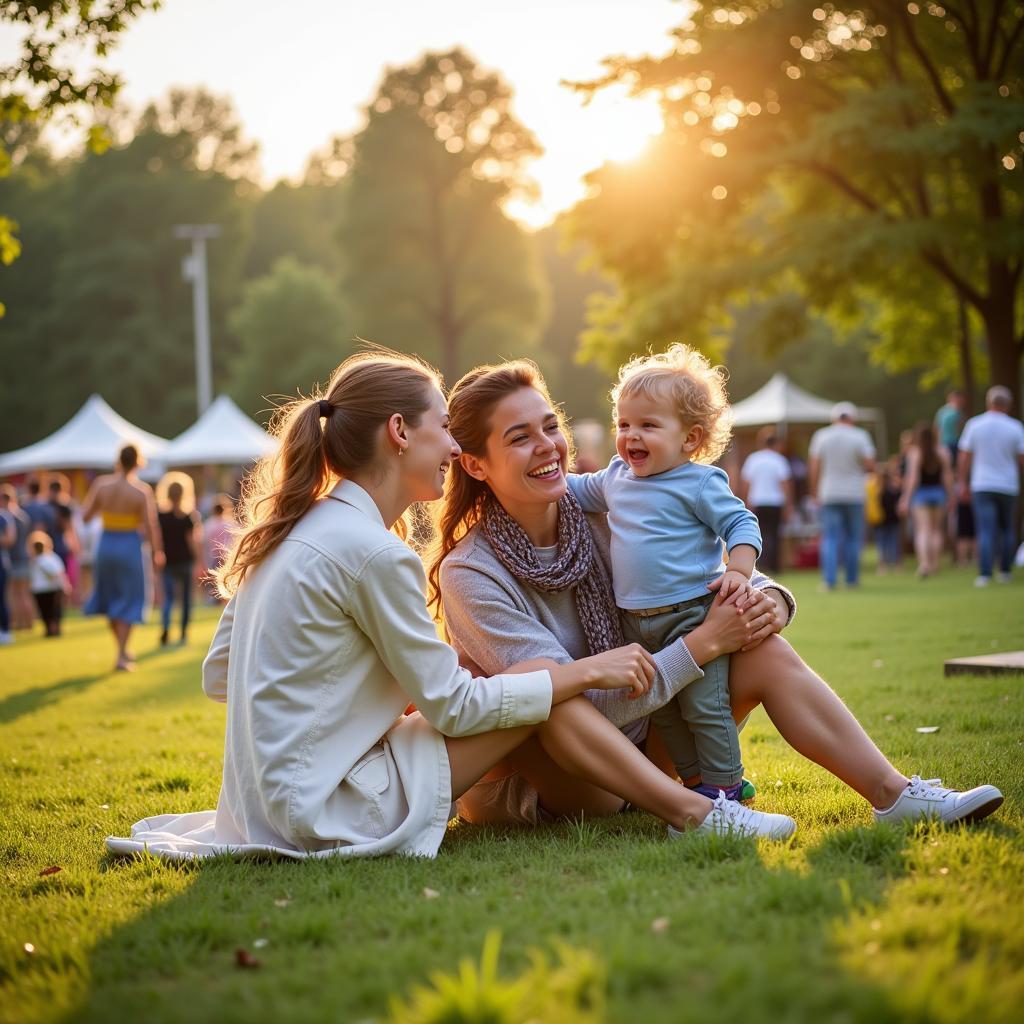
x=508, y=592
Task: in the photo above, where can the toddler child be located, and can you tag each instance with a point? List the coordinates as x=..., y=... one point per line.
x=669, y=513
x=48, y=580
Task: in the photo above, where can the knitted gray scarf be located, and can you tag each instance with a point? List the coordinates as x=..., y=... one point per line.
x=577, y=566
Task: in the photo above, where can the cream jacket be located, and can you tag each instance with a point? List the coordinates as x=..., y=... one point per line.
x=318, y=655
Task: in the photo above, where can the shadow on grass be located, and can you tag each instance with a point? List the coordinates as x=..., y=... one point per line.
x=742, y=941
x=17, y=705
x=25, y=703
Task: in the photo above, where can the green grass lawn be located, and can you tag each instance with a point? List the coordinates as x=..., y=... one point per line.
x=848, y=923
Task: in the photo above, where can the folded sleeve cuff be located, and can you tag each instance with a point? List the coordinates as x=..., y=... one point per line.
x=676, y=664
x=745, y=536
x=526, y=699
x=761, y=582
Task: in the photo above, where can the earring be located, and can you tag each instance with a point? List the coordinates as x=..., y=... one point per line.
x=401, y=452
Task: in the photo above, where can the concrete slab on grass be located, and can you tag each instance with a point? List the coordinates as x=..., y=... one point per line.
x=987, y=664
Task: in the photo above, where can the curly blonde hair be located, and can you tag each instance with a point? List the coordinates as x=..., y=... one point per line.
x=686, y=378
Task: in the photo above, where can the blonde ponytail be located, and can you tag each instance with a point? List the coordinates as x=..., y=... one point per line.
x=316, y=450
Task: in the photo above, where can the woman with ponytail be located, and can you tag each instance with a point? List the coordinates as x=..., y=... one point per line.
x=326, y=639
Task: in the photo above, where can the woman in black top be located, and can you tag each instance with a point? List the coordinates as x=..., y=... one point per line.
x=927, y=496
x=179, y=525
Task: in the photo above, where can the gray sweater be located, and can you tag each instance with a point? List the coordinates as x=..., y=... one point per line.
x=495, y=621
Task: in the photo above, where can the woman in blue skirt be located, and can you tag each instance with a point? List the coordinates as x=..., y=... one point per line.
x=128, y=511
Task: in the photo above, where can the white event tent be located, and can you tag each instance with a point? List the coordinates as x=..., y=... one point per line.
x=781, y=402
x=222, y=436
x=89, y=440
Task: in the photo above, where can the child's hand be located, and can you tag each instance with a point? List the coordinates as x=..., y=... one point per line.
x=733, y=585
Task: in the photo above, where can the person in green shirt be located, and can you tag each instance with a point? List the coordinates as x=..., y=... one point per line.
x=949, y=421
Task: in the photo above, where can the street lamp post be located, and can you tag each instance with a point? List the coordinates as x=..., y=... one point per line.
x=193, y=269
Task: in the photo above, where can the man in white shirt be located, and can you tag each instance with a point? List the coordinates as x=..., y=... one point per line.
x=766, y=485
x=841, y=456
x=991, y=454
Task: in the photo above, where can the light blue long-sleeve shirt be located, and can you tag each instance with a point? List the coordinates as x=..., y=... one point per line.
x=667, y=530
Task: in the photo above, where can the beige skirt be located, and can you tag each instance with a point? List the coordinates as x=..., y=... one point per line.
x=396, y=799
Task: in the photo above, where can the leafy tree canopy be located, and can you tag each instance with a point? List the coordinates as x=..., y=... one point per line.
x=105, y=305
x=40, y=82
x=431, y=261
x=842, y=151
x=293, y=331
x=207, y=128
x=469, y=110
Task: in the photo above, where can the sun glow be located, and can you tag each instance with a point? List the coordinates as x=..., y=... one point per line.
x=612, y=127
x=346, y=47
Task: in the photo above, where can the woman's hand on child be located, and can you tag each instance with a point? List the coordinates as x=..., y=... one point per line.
x=724, y=630
x=765, y=616
x=730, y=627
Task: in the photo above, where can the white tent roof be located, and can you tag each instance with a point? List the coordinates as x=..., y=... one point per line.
x=222, y=436
x=89, y=440
x=781, y=401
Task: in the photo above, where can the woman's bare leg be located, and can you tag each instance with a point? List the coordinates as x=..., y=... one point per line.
x=586, y=746
x=657, y=753
x=937, y=536
x=121, y=631
x=922, y=538
x=472, y=757
x=560, y=793
x=811, y=718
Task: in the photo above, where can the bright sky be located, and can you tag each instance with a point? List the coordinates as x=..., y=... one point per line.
x=301, y=72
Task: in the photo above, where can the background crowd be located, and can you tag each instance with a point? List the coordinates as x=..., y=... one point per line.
x=953, y=487
x=50, y=546
x=950, y=490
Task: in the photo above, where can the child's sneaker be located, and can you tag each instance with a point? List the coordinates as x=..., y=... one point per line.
x=727, y=817
x=743, y=791
x=928, y=798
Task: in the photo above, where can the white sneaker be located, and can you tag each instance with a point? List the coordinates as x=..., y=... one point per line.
x=727, y=817
x=1003, y=577
x=928, y=798
x=982, y=581
x=6, y=638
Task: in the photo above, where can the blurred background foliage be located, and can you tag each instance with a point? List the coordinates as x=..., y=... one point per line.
x=837, y=194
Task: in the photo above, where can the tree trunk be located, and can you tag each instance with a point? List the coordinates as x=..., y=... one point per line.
x=448, y=329
x=450, y=355
x=966, y=360
x=1003, y=347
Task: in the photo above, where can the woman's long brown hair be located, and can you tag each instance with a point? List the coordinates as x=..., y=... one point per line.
x=470, y=405
x=364, y=392
x=927, y=445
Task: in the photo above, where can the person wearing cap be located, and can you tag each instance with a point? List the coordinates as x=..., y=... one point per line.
x=841, y=456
